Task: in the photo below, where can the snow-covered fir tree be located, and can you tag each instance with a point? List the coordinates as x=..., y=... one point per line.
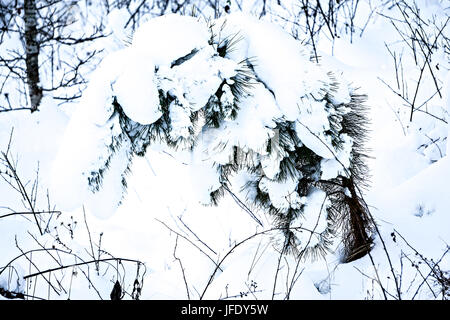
x=255, y=114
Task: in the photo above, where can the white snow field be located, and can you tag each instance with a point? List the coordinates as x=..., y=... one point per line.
x=163, y=231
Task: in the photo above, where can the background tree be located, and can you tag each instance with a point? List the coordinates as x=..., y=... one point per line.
x=54, y=56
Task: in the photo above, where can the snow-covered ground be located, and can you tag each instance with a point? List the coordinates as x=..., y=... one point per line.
x=189, y=250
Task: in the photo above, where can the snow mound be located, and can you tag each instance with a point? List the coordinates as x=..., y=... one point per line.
x=170, y=37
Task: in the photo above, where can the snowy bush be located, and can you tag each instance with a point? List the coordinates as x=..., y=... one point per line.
x=242, y=103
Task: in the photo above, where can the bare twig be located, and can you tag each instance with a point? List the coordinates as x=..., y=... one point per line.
x=181, y=267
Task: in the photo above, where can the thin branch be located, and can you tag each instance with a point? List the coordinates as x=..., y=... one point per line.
x=181, y=267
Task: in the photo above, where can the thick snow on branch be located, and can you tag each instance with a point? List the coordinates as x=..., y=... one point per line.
x=241, y=96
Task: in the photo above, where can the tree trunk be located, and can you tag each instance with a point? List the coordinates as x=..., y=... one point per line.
x=32, y=54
